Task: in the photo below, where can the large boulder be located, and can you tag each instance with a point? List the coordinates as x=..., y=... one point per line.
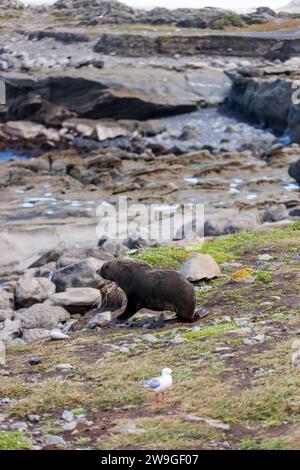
x=44, y=316
x=118, y=92
x=113, y=247
x=6, y=314
x=10, y=330
x=35, y=334
x=78, y=274
x=200, y=266
x=229, y=222
x=72, y=256
x=31, y=290
x=78, y=300
x=275, y=213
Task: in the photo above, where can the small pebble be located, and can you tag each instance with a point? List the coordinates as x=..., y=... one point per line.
x=34, y=361
x=64, y=366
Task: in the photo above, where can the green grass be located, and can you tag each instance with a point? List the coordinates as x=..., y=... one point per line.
x=263, y=277
x=209, y=331
x=222, y=248
x=273, y=444
x=13, y=441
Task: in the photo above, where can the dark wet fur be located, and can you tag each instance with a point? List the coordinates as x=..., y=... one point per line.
x=149, y=288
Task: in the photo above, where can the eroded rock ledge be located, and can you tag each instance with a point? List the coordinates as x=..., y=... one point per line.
x=121, y=92
x=270, y=101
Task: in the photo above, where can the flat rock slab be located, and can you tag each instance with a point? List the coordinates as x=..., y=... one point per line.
x=77, y=299
x=94, y=93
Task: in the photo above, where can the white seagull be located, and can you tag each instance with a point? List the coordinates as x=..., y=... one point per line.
x=160, y=384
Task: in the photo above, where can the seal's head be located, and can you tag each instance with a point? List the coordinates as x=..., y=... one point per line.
x=107, y=271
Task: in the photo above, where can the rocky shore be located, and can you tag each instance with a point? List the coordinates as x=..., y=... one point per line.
x=81, y=116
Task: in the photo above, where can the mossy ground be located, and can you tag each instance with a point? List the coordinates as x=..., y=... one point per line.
x=252, y=391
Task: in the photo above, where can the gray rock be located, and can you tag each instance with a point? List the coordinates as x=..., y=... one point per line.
x=64, y=367
x=6, y=314
x=44, y=316
x=70, y=325
x=150, y=338
x=10, y=331
x=130, y=428
x=52, y=255
x=275, y=213
x=264, y=257
x=101, y=93
x=100, y=319
x=70, y=426
x=178, y=340
x=52, y=440
x=35, y=334
x=79, y=274
x=228, y=222
x=20, y=426
x=31, y=290
x=78, y=300
x=57, y=335
x=135, y=241
x=112, y=247
x=33, y=418
x=6, y=300
x=68, y=416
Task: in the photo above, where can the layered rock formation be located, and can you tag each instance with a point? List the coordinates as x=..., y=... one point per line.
x=226, y=44
x=270, y=100
x=136, y=93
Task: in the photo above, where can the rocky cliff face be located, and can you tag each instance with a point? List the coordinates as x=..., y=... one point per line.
x=136, y=45
x=269, y=101
x=121, y=92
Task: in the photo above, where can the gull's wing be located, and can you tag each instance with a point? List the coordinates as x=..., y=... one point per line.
x=153, y=383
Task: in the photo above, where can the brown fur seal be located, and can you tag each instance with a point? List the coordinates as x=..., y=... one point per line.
x=149, y=288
